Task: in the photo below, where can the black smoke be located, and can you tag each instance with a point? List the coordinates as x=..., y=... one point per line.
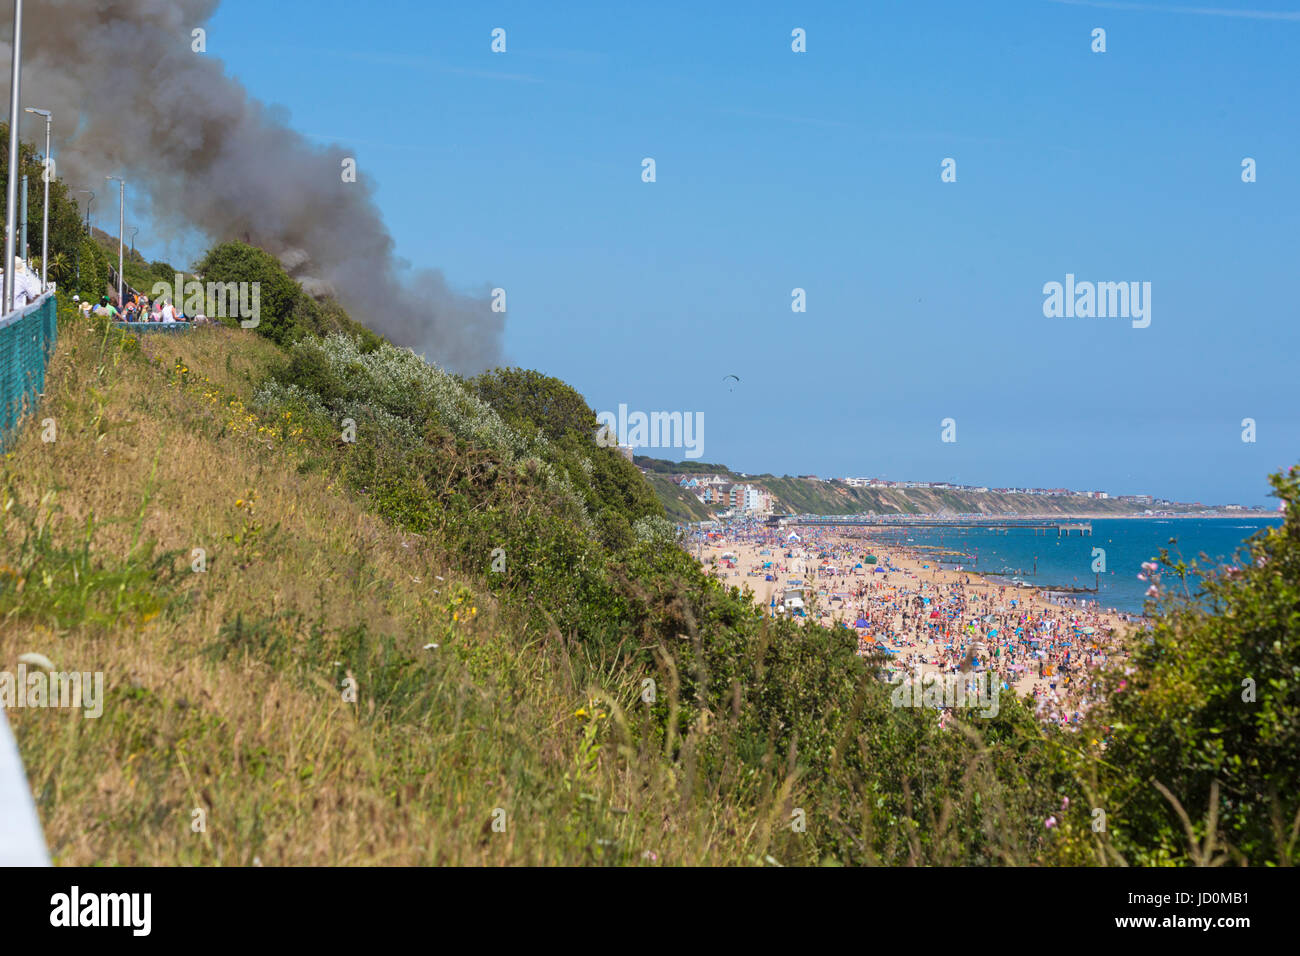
x=131, y=98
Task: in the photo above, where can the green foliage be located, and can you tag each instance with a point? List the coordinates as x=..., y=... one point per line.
x=143, y=277
x=679, y=504
x=529, y=400
x=58, y=587
x=757, y=721
x=280, y=296
x=1213, y=707
x=612, y=488
x=287, y=312
x=94, y=269
x=752, y=712
x=661, y=467
x=67, y=224
x=656, y=532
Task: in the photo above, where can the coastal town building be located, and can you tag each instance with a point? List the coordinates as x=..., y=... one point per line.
x=724, y=493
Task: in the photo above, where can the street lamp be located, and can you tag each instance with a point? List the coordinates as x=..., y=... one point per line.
x=45, y=215
x=121, y=228
x=90, y=202
x=11, y=206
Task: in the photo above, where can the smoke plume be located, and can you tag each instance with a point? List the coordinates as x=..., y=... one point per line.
x=131, y=98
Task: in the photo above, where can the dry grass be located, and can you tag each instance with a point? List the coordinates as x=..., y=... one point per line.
x=224, y=689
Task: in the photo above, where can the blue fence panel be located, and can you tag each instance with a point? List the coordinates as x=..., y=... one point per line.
x=27, y=340
x=155, y=326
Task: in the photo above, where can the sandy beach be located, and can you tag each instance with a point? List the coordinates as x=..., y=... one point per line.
x=923, y=618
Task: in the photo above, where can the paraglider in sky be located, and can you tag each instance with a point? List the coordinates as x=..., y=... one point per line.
x=731, y=381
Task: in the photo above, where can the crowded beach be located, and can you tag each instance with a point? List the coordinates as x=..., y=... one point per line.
x=920, y=618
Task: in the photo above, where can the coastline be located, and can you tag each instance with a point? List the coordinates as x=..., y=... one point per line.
x=927, y=618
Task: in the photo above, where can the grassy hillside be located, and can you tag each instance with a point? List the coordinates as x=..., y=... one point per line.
x=226, y=686
x=679, y=505
x=802, y=495
x=432, y=622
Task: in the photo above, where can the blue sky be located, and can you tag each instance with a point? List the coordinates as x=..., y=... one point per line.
x=821, y=170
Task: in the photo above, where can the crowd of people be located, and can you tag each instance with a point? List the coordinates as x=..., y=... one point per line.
x=138, y=308
x=925, y=619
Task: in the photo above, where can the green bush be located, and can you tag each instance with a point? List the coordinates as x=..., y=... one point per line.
x=94, y=270
x=280, y=296
x=287, y=313
x=1211, y=710
x=751, y=710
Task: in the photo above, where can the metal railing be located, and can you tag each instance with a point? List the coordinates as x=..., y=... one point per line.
x=27, y=339
x=176, y=327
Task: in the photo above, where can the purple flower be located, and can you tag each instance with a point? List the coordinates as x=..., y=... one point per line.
x=1050, y=822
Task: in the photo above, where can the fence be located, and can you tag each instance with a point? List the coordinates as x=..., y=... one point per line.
x=127, y=291
x=27, y=338
x=154, y=326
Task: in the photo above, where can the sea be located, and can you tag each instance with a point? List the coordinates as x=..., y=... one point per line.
x=1046, y=560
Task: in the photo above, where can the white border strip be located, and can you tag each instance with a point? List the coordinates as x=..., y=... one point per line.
x=21, y=840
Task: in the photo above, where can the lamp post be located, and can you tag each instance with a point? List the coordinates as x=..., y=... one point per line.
x=12, y=192
x=45, y=216
x=89, y=202
x=121, y=228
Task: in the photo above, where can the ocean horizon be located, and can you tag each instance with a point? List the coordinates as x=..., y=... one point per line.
x=1048, y=561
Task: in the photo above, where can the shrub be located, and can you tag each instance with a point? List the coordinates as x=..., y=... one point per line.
x=1211, y=709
